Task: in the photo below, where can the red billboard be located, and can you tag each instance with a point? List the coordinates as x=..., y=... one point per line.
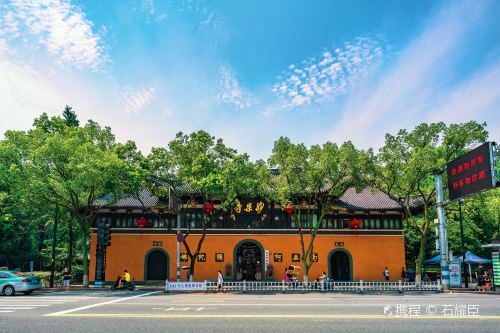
x=472, y=172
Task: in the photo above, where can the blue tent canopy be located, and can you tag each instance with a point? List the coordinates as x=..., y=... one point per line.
x=470, y=258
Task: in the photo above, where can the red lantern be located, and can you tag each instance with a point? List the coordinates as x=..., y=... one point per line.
x=142, y=222
x=289, y=209
x=355, y=224
x=208, y=208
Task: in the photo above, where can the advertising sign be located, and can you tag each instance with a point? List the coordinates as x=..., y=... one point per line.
x=472, y=172
x=185, y=286
x=455, y=275
x=266, y=257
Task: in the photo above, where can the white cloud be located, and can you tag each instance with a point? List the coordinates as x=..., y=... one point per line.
x=320, y=80
x=230, y=91
x=134, y=100
x=422, y=85
x=24, y=92
x=59, y=26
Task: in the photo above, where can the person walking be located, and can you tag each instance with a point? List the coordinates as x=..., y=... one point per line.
x=403, y=274
x=386, y=274
x=66, y=278
x=322, y=280
x=220, y=281
x=286, y=280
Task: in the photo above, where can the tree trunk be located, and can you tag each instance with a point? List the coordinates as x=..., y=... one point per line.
x=191, y=269
x=306, y=271
x=421, y=255
x=85, y=252
x=53, y=259
x=69, y=260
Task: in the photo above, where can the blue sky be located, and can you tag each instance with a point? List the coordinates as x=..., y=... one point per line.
x=251, y=71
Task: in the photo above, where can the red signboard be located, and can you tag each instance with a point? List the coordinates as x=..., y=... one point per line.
x=472, y=172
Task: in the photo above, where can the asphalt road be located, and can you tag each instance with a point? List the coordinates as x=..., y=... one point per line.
x=155, y=311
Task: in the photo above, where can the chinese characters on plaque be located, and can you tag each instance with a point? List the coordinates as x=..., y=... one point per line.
x=184, y=257
x=219, y=257
x=278, y=257
x=202, y=257
x=295, y=257
x=255, y=207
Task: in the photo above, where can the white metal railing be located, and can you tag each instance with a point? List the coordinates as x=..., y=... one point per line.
x=353, y=286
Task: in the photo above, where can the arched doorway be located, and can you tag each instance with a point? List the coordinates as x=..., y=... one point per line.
x=156, y=265
x=248, y=261
x=340, y=265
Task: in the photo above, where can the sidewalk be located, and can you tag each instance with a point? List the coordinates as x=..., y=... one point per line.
x=473, y=291
x=93, y=288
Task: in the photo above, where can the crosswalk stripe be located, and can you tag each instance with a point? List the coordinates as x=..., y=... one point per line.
x=21, y=305
x=20, y=308
x=2, y=311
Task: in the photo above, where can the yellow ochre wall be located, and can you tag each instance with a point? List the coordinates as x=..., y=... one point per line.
x=370, y=254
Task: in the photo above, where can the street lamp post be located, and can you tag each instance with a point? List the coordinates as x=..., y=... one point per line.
x=443, y=240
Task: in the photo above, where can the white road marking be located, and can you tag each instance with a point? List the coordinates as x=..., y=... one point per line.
x=8, y=305
x=35, y=305
x=251, y=304
x=100, y=304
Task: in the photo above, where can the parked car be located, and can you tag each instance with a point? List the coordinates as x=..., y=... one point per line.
x=12, y=282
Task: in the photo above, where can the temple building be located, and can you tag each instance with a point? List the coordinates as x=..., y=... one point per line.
x=361, y=235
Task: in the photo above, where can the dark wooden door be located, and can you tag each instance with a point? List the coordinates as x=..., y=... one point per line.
x=157, y=266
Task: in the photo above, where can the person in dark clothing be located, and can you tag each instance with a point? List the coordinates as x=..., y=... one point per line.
x=403, y=274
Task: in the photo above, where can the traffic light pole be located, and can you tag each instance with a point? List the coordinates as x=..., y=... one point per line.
x=443, y=241
x=103, y=241
x=99, y=255
x=178, y=245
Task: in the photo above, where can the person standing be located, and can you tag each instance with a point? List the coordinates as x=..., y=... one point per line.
x=386, y=274
x=487, y=281
x=220, y=281
x=66, y=278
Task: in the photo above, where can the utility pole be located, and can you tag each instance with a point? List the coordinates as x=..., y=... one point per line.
x=443, y=240
x=462, y=245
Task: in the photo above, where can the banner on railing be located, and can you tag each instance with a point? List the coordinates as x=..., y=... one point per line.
x=185, y=286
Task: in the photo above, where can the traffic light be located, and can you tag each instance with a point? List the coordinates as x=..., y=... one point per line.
x=107, y=234
x=100, y=236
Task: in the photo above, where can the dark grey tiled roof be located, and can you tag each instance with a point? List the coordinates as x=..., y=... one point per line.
x=367, y=199
x=181, y=189
x=145, y=199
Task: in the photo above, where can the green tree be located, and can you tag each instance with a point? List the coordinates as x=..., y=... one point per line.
x=406, y=164
x=201, y=167
x=70, y=118
x=310, y=179
x=70, y=167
